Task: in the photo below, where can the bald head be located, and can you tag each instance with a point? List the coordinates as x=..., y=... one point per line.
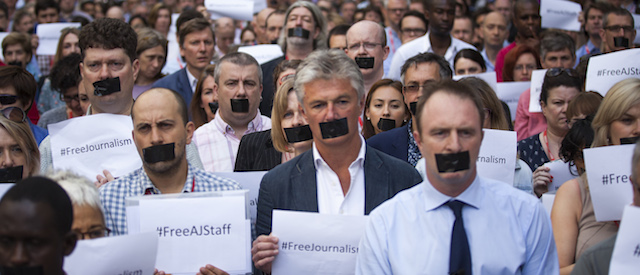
x=494, y=29
x=366, y=27
x=260, y=25
x=168, y=100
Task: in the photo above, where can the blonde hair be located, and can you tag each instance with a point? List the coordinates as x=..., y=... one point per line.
x=21, y=133
x=280, y=104
x=619, y=99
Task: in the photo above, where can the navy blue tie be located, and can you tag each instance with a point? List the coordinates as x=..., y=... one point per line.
x=460, y=256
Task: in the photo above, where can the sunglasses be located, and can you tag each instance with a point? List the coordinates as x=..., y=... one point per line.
x=8, y=99
x=14, y=114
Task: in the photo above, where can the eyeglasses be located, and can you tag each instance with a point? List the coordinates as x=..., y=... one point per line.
x=558, y=71
x=68, y=99
x=413, y=31
x=616, y=28
x=413, y=88
x=401, y=10
x=369, y=46
x=93, y=233
x=8, y=99
x=14, y=114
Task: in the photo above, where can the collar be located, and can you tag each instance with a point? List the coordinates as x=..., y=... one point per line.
x=150, y=189
x=192, y=80
x=433, y=199
x=254, y=125
x=317, y=158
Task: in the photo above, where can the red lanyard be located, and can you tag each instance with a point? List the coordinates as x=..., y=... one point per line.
x=393, y=46
x=548, y=148
x=586, y=47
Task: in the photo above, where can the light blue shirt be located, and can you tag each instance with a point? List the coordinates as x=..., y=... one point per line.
x=508, y=230
x=394, y=42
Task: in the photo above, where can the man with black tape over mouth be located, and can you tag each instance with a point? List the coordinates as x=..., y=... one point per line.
x=367, y=45
x=304, y=31
x=618, y=30
x=340, y=175
x=161, y=132
x=416, y=73
x=237, y=86
x=483, y=226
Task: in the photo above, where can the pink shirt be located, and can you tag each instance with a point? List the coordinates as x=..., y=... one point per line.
x=528, y=124
x=218, y=145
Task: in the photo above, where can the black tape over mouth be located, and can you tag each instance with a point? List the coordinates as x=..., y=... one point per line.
x=365, y=62
x=15, y=63
x=449, y=163
x=106, y=87
x=629, y=140
x=298, y=134
x=298, y=32
x=214, y=107
x=158, y=153
x=385, y=124
x=333, y=129
x=621, y=41
x=413, y=107
x=11, y=174
x=240, y=105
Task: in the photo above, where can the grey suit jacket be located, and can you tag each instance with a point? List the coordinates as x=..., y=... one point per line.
x=292, y=185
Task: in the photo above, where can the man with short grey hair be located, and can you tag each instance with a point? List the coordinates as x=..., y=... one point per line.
x=238, y=84
x=340, y=174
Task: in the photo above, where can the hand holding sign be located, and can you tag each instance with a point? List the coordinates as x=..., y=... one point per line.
x=264, y=251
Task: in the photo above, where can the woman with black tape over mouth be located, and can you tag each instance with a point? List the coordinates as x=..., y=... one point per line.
x=289, y=136
x=204, y=104
x=384, y=108
x=19, y=154
x=575, y=228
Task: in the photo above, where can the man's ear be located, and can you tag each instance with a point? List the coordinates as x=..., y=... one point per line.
x=70, y=241
x=190, y=128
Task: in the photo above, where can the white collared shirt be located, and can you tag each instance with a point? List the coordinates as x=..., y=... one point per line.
x=422, y=45
x=193, y=81
x=331, y=199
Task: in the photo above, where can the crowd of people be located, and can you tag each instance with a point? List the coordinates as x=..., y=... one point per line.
x=359, y=115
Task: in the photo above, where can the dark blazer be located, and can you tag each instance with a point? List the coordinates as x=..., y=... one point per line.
x=394, y=142
x=292, y=185
x=268, y=90
x=256, y=153
x=178, y=82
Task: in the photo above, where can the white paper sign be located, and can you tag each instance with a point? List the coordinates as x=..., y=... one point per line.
x=197, y=229
x=259, y=5
x=4, y=187
x=2, y=36
x=626, y=251
x=238, y=9
x=49, y=34
x=263, y=53
x=547, y=202
x=609, y=170
x=89, y=144
x=606, y=70
x=497, y=158
x=312, y=243
x=510, y=92
x=248, y=181
x=489, y=77
x=537, y=77
x=127, y=254
x=561, y=172
x=636, y=20
x=559, y=14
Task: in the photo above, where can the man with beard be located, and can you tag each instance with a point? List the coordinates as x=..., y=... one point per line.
x=438, y=39
x=304, y=31
x=161, y=131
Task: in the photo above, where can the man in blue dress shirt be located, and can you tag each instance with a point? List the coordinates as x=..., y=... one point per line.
x=504, y=230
